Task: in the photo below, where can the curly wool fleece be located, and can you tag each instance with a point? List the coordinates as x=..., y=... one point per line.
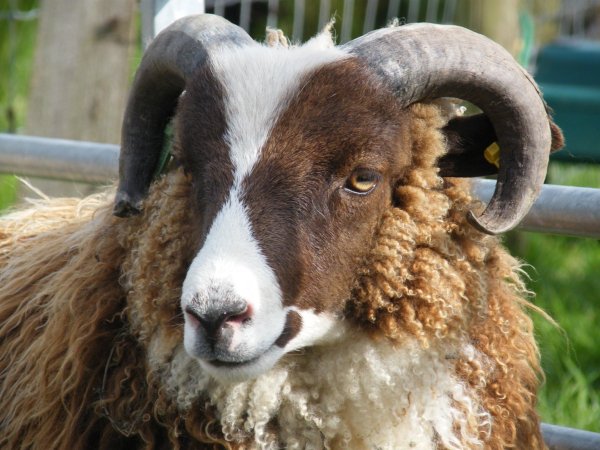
x=434, y=350
x=358, y=393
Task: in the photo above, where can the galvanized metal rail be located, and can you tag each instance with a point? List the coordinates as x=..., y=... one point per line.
x=59, y=159
x=563, y=210
x=563, y=438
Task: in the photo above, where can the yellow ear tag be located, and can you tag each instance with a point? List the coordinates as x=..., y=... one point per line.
x=492, y=154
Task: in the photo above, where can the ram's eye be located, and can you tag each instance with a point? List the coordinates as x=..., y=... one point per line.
x=361, y=181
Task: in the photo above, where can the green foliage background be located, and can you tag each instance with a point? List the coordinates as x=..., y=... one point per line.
x=15, y=85
x=564, y=272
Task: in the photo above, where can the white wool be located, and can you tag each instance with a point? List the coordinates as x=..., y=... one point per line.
x=185, y=380
x=360, y=394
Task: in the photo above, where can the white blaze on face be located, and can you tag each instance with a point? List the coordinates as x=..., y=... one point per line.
x=258, y=84
x=231, y=260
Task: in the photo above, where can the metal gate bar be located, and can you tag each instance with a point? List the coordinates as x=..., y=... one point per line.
x=564, y=210
x=563, y=438
x=59, y=159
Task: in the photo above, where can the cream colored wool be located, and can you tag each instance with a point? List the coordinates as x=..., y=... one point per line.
x=333, y=397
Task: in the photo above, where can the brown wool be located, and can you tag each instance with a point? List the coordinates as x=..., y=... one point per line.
x=431, y=275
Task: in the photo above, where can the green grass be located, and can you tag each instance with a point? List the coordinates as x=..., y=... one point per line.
x=8, y=190
x=564, y=275
x=14, y=89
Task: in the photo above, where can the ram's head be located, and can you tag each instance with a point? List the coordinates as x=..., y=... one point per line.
x=294, y=154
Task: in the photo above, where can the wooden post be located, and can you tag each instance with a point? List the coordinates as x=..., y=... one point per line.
x=81, y=72
x=499, y=20
x=547, y=29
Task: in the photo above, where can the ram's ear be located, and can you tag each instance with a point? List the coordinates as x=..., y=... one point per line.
x=467, y=138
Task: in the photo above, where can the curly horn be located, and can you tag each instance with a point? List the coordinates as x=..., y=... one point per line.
x=426, y=61
x=172, y=58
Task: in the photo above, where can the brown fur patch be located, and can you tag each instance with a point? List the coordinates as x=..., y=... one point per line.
x=60, y=314
x=293, y=325
x=558, y=140
x=86, y=325
x=310, y=228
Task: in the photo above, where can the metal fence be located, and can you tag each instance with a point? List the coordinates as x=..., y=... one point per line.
x=564, y=210
x=413, y=10
x=574, y=17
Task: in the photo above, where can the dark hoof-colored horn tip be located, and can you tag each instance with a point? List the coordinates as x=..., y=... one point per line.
x=124, y=208
x=487, y=228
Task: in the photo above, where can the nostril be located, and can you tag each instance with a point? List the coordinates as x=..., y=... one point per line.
x=193, y=316
x=213, y=321
x=242, y=318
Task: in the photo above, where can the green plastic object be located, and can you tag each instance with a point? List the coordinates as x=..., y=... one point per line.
x=569, y=76
x=528, y=37
x=165, y=153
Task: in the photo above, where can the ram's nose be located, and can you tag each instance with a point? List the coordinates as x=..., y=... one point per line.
x=214, y=320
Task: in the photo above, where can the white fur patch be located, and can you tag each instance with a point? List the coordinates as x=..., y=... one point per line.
x=231, y=258
x=317, y=329
x=259, y=82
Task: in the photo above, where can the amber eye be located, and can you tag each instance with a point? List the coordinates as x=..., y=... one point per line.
x=361, y=181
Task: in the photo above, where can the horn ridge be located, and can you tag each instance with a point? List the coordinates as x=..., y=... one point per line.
x=169, y=62
x=426, y=61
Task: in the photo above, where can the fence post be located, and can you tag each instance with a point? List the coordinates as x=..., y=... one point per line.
x=80, y=75
x=159, y=14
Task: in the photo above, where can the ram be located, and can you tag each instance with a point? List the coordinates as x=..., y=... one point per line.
x=310, y=272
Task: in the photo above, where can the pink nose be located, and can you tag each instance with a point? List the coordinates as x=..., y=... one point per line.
x=213, y=321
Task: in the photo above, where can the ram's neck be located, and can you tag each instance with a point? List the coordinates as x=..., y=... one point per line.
x=332, y=397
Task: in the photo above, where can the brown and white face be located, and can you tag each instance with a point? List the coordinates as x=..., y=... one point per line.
x=292, y=165
x=294, y=154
